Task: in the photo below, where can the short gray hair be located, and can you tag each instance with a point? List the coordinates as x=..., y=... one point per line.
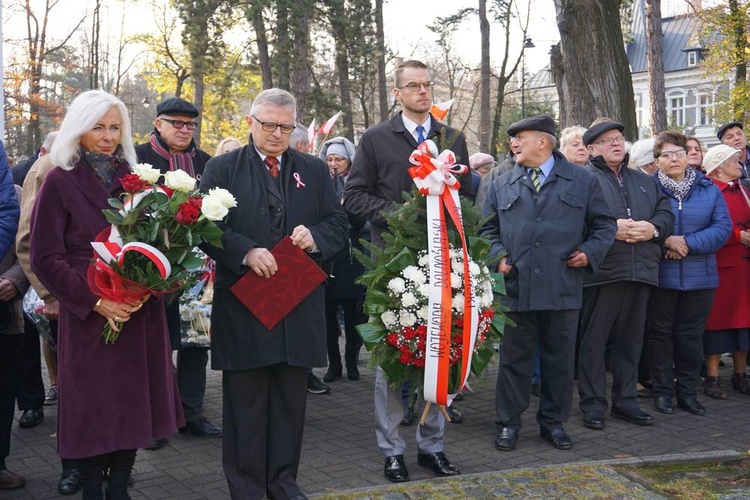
x=274, y=97
x=299, y=135
x=550, y=138
x=570, y=133
x=82, y=115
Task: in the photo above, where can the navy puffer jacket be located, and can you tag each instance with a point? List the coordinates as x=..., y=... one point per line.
x=702, y=217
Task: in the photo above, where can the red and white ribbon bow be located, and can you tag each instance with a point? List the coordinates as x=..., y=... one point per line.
x=434, y=175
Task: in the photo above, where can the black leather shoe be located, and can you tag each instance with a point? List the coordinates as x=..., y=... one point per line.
x=663, y=404
x=506, y=439
x=557, y=438
x=395, y=469
x=31, y=418
x=10, y=480
x=157, y=444
x=201, y=428
x=634, y=416
x=70, y=482
x=315, y=386
x=408, y=416
x=691, y=405
x=437, y=463
x=593, y=421
x=456, y=416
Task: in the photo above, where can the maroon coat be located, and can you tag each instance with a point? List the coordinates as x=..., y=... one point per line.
x=111, y=397
x=730, y=309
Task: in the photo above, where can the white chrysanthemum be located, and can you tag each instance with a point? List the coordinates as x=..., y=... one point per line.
x=408, y=299
x=422, y=313
x=423, y=290
x=456, y=281
x=147, y=172
x=389, y=319
x=485, y=270
x=407, y=319
x=458, y=303
x=414, y=274
x=397, y=285
x=423, y=260
x=474, y=269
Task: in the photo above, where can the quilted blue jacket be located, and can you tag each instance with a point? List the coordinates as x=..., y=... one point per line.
x=9, y=210
x=702, y=217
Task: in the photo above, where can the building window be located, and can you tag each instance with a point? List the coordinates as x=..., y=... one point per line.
x=692, y=58
x=676, y=110
x=639, y=110
x=705, y=109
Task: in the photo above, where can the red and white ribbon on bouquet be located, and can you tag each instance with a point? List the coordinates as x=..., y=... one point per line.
x=434, y=176
x=113, y=249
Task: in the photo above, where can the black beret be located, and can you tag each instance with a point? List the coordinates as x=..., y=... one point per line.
x=542, y=123
x=726, y=127
x=175, y=106
x=600, y=128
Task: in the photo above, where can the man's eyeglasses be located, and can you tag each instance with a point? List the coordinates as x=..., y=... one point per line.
x=272, y=126
x=677, y=153
x=417, y=86
x=611, y=140
x=178, y=124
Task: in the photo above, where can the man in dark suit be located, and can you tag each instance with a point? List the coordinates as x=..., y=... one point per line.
x=550, y=224
x=171, y=147
x=377, y=181
x=280, y=192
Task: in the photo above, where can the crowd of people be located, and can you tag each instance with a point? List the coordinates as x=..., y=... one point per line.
x=636, y=263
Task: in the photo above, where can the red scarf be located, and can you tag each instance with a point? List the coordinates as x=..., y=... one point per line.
x=177, y=161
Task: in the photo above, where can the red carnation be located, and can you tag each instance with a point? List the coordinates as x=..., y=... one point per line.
x=392, y=339
x=405, y=358
x=131, y=183
x=187, y=213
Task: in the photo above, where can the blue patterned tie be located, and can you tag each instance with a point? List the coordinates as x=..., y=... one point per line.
x=420, y=134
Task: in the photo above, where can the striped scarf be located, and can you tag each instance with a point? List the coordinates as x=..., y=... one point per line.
x=177, y=161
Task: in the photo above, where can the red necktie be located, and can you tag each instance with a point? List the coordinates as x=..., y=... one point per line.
x=273, y=165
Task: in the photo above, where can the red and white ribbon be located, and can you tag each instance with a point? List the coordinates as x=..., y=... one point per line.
x=434, y=176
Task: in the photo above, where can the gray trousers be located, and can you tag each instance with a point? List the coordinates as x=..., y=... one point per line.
x=389, y=410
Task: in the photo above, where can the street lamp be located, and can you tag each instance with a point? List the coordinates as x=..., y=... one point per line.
x=527, y=44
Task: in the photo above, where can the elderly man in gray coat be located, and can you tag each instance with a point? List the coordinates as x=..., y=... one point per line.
x=551, y=224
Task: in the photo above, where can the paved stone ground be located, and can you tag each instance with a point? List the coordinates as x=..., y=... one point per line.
x=340, y=454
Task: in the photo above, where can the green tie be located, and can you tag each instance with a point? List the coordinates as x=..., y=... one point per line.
x=535, y=179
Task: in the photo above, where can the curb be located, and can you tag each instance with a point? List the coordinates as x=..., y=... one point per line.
x=648, y=461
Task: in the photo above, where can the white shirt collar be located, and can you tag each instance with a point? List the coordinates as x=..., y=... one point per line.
x=412, y=126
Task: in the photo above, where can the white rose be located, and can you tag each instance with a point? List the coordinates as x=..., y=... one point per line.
x=179, y=180
x=224, y=197
x=146, y=172
x=408, y=299
x=389, y=319
x=396, y=285
x=213, y=210
x=407, y=319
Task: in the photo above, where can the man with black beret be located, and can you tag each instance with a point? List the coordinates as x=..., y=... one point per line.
x=171, y=147
x=616, y=294
x=550, y=226
x=733, y=134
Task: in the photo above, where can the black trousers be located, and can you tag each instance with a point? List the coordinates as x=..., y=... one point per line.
x=352, y=317
x=30, y=386
x=264, y=417
x=557, y=340
x=675, y=324
x=614, y=313
x=10, y=349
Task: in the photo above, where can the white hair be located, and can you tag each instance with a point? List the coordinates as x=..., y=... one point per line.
x=569, y=133
x=299, y=135
x=275, y=97
x=82, y=115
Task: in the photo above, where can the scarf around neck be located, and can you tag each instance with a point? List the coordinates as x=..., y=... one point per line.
x=103, y=165
x=679, y=189
x=177, y=161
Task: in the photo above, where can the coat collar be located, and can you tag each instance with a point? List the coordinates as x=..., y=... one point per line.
x=436, y=129
x=84, y=179
x=562, y=169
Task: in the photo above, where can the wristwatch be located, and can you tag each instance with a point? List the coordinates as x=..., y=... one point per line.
x=656, y=234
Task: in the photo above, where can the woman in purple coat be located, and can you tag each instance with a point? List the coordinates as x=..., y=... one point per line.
x=113, y=398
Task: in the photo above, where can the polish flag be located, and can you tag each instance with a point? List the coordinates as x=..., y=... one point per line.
x=440, y=110
x=325, y=129
x=311, y=133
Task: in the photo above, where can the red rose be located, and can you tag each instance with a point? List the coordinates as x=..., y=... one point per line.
x=131, y=183
x=187, y=213
x=197, y=201
x=167, y=190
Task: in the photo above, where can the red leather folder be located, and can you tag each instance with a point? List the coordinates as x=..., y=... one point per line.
x=271, y=299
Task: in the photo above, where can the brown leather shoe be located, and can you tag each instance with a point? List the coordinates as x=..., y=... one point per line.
x=741, y=383
x=712, y=388
x=10, y=480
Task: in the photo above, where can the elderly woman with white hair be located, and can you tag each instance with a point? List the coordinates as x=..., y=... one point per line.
x=571, y=145
x=113, y=399
x=728, y=326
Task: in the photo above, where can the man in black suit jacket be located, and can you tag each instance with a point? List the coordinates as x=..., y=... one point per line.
x=171, y=147
x=280, y=192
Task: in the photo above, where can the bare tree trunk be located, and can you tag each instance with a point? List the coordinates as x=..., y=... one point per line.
x=342, y=70
x=655, y=60
x=300, y=74
x=380, y=55
x=94, y=48
x=484, y=93
x=740, y=49
x=283, y=51
x=255, y=15
x=596, y=76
